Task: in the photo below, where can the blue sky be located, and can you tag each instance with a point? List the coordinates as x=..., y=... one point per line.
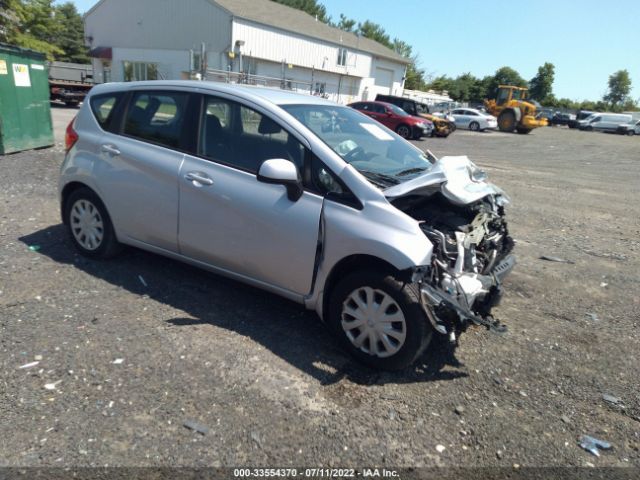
x=586, y=40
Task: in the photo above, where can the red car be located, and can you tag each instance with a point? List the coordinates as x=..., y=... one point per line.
x=393, y=117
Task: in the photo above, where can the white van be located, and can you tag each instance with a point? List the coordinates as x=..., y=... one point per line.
x=604, y=121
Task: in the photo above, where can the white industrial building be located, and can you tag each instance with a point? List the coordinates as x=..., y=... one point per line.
x=251, y=41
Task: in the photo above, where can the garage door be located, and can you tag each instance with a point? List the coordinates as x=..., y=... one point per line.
x=384, y=80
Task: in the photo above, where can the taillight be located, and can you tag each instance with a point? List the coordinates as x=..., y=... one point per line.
x=71, y=136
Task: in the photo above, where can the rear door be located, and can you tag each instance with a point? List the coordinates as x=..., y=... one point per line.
x=230, y=220
x=139, y=177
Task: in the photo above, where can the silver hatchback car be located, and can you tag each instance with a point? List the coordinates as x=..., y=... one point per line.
x=296, y=195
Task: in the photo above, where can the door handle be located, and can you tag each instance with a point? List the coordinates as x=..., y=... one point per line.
x=110, y=149
x=199, y=177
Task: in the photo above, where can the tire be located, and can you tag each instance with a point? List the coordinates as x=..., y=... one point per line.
x=631, y=133
x=507, y=121
x=404, y=131
x=412, y=331
x=89, y=225
x=523, y=130
x=474, y=126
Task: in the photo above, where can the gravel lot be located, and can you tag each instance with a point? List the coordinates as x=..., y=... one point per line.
x=136, y=346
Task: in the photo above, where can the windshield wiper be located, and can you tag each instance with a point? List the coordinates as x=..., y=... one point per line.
x=409, y=171
x=380, y=177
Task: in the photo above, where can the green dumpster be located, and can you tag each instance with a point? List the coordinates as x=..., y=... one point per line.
x=25, y=114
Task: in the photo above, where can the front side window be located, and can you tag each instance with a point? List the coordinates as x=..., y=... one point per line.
x=139, y=71
x=398, y=111
x=241, y=137
x=157, y=117
x=381, y=156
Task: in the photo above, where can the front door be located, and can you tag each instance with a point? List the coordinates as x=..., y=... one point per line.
x=230, y=220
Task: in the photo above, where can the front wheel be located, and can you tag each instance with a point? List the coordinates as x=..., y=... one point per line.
x=507, y=121
x=404, y=131
x=379, y=320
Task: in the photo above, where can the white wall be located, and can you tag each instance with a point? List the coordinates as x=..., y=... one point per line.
x=397, y=76
x=159, y=25
x=171, y=63
x=275, y=45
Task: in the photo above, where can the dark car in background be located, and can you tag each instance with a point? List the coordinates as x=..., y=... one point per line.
x=396, y=119
x=560, y=118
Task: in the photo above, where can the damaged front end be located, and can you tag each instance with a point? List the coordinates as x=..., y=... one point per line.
x=471, y=246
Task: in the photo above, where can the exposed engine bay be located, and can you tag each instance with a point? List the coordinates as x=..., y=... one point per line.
x=471, y=256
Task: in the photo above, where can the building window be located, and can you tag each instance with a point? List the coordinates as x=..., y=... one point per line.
x=136, y=71
x=320, y=88
x=342, y=56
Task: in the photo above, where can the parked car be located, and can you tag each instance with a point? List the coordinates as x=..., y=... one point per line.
x=604, y=121
x=580, y=115
x=561, y=118
x=442, y=126
x=474, y=119
x=632, y=128
x=396, y=119
x=296, y=195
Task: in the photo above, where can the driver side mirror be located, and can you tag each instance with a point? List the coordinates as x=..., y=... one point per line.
x=282, y=172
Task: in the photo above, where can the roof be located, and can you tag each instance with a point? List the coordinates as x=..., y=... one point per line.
x=272, y=95
x=25, y=52
x=293, y=20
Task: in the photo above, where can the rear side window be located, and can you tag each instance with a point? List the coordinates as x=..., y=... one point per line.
x=157, y=117
x=104, y=107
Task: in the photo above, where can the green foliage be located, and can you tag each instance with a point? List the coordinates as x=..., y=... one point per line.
x=619, y=88
x=71, y=34
x=504, y=76
x=55, y=30
x=541, y=86
x=376, y=32
x=346, y=24
x=312, y=7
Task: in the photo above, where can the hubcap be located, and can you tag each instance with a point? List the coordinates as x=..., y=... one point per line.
x=86, y=224
x=373, y=322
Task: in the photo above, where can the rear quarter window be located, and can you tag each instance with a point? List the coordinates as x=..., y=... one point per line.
x=104, y=107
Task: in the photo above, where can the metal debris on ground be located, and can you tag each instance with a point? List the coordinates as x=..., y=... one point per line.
x=52, y=386
x=591, y=444
x=555, y=259
x=142, y=281
x=28, y=365
x=196, y=427
x=440, y=448
x=118, y=361
x=34, y=248
x=592, y=316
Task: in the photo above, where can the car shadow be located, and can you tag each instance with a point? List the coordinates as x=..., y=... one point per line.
x=285, y=328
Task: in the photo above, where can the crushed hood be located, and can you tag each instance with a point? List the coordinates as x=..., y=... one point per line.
x=453, y=175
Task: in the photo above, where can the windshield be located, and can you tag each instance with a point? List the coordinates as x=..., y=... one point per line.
x=380, y=155
x=397, y=110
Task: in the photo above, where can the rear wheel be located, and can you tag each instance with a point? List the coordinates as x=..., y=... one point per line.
x=379, y=320
x=404, y=131
x=474, y=126
x=507, y=121
x=631, y=133
x=89, y=225
x=523, y=130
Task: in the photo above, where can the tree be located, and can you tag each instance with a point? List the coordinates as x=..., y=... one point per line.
x=619, y=88
x=376, y=32
x=346, y=24
x=312, y=7
x=71, y=36
x=541, y=86
x=38, y=29
x=10, y=14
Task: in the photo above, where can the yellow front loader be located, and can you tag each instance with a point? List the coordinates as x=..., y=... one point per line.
x=513, y=112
